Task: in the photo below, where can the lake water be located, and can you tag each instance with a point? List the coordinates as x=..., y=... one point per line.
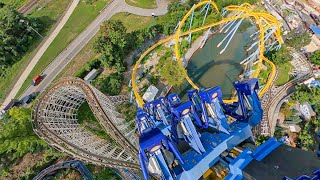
x=209, y=68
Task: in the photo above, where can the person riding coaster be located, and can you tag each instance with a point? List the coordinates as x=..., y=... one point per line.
x=248, y=107
x=182, y=126
x=157, y=154
x=207, y=103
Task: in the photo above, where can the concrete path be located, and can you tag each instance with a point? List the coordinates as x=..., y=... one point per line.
x=77, y=44
x=40, y=52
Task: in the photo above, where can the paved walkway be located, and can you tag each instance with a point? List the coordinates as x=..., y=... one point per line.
x=76, y=45
x=40, y=52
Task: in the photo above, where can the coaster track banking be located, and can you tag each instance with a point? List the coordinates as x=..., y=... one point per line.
x=264, y=21
x=75, y=164
x=64, y=132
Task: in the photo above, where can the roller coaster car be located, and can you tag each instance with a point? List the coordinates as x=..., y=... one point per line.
x=195, y=99
x=212, y=112
x=248, y=108
x=182, y=126
x=156, y=154
x=144, y=121
x=148, y=108
x=173, y=99
x=159, y=110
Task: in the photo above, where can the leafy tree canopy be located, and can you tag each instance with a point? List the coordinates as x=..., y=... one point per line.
x=315, y=57
x=306, y=140
x=279, y=57
x=111, y=43
x=16, y=135
x=260, y=139
x=298, y=40
x=15, y=34
x=111, y=84
x=170, y=71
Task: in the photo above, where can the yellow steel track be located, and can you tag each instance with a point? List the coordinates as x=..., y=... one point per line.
x=263, y=20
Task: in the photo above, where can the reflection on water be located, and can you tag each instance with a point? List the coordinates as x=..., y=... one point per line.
x=209, y=68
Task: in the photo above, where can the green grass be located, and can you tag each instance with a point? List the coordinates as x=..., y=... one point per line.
x=147, y=4
x=133, y=22
x=14, y=3
x=82, y=16
x=86, y=116
x=49, y=15
x=87, y=53
x=283, y=76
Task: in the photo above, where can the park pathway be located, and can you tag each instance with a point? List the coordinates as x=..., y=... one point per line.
x=40, y=52
x=57, y=65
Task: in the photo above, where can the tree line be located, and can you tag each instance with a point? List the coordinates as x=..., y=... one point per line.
x=16, y=35
x=308, y=134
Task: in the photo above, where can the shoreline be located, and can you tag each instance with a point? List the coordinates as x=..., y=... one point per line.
x=195, y=46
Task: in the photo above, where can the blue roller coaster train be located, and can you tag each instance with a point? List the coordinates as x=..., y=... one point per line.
x=193, y=139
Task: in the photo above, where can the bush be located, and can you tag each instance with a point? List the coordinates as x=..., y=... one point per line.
x=111, y=84
x=153, y=79
x=279, y=57
x=95, y=64
x=315, y=57
x=298, y=40
x=82, y=73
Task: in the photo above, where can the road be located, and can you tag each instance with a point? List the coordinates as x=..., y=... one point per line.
x=40, y=52
x=76, y=45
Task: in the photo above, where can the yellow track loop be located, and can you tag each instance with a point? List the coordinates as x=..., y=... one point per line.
x=261, y=18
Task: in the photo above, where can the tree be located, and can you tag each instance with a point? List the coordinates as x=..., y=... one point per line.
x=285, y=108
x=306, y=140
x=171, y=71
x=111, y=84
x=298, y=40
x=261, y=139
x=279, y=57
x=152, y=31
x=315, y=57
x=16, y=135
x=176, y=11
x=293, y=120
x=111, y=43
x=15, y=35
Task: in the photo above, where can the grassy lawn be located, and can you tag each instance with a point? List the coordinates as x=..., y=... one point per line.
x=48, y=15
x=82, y=16
x=148, y=4
x=283, y=76
x=133, y=22
x=15, y=3
x=87, y=54
x=89, y=121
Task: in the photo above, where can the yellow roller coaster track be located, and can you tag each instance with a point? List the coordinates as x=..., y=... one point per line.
x=263, y=20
